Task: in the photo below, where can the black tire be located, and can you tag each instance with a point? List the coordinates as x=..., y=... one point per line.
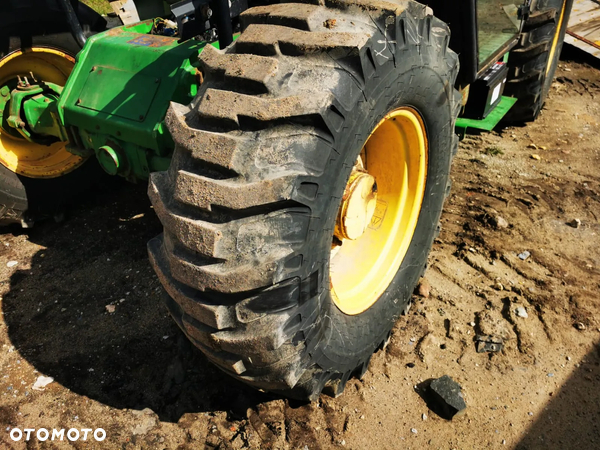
x=262, y=158
x=26, y=200
x=532, y=63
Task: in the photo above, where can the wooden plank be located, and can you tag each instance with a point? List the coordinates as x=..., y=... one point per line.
x=583, y=30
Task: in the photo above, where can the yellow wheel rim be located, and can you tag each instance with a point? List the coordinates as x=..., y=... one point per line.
x=365, y=259
x=556, y=37
x=17, y=154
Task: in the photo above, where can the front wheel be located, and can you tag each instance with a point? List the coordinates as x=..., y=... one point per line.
x=306, y=188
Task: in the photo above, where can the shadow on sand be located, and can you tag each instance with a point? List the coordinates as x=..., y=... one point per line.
x=135, y=357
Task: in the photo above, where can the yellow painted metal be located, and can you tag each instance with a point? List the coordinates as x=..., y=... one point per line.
x=17, y=154
x=556, y=37
x=395, y=155
x=358, y=206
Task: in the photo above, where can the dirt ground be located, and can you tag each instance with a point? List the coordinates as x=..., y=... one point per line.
x=130, y=371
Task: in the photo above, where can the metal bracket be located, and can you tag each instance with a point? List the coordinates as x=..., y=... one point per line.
x=18, y=97
x=524, y=11
x=193, y=16
x=14, y=119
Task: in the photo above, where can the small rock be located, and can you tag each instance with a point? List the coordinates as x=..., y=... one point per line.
x=521, y=312
x=579, y=325
x=536, y=157
x=12, y=263
x=533, y=146
x=448, y=395
x=524, y=255
x=424, y=417
x=530, y=413
x=550, y=375
x=110, y=308
x=423, y=288
x=472, y=324
x=42, y=382
x=499, y=222
x=330, y=23
x=575, y=223
x=142, y=412
x=146, y=424
x=413, y=430
x=498, y=286
x=568, y=358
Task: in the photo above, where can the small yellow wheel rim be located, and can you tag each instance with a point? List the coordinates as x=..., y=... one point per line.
x=370, y=244
x=17, y=154
x=556, y=37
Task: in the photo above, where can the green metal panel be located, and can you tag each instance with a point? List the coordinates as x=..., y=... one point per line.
x=94, y=97
x=490, y=122
x=122, y=84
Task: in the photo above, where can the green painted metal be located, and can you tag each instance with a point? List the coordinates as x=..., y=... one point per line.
x=119, y=92
x=109, y=160
x=5, y=98
x=32, y=111
x=490, y=122
x=41, y=115
x=114, y=102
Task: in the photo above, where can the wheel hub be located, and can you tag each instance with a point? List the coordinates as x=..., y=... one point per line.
x=358, y=206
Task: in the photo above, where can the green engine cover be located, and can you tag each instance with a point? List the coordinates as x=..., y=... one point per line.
x=119, y=92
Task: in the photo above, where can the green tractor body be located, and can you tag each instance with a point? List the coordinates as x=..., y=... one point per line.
x=114, y=102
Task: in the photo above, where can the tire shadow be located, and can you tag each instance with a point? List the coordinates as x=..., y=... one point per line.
x=89, y=314
x=570, y=420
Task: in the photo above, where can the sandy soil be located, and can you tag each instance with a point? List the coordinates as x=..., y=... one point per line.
x=130, y=371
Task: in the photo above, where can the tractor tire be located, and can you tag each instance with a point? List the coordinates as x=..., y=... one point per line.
x=263, y=157
x=532, y=63
x=24, y=199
